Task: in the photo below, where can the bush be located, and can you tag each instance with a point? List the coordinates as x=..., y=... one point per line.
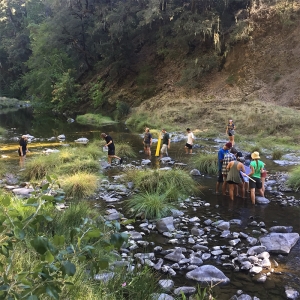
x=294, y=179
x=124, y=150
x=277, y=154
x=153, y=204
x=80, y=185
x=206, y=163
x=94, y=119
x=40, y=166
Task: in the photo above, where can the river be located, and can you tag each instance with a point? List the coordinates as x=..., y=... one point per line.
x=44, y=127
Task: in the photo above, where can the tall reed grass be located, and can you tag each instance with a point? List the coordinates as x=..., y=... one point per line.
x=206, y=163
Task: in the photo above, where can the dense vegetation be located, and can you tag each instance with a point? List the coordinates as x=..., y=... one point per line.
x=65, y=54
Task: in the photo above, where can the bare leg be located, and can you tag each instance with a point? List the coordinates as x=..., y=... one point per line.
x=231, y=191
x=217, y=187
x=224, y=185
x=242, y=187
x=263, y=184
x=252, y=195
x=261, y=192
x=22, y=161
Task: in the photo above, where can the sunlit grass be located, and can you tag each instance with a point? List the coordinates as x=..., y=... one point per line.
x=94, y=119
x=80, y=185
x=79, y=164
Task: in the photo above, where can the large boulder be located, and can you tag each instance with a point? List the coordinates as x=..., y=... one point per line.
x=208, y=274
x=279, y=242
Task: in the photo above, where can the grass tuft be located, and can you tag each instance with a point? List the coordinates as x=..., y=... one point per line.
x=294, y=179
x=277, y=154
x=80, y=185
x=94, y=119
x=124, y=150
x=206, y=163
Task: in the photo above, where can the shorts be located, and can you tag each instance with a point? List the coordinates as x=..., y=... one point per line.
x=230, y=132
x=257, y=184
x=263, y=174
x=232, y=182
x=111, y=151
x=146, y=145
x=220, y=176
x=164, y=149
x=189, y=146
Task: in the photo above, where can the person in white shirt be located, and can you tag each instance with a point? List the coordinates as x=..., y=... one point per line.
x=190, y=140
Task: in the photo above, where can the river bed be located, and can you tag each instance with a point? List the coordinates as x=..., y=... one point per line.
x=221, y=207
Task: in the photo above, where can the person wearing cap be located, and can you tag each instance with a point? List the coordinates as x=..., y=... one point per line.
x=257, y=167
x=230, y=131
x=224, y=150
x=166, y=143
x=111, y=148
x=190, y=140
x=23, y=149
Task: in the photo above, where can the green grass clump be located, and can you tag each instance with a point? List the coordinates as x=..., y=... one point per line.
x=277, y=154
x=124, y=150
x=154, y=204
x=2, y=130
x=40, y=166
x=294, y=179
x=94, y=119
x=80, y=185
x=87, y=164
x=206, y=163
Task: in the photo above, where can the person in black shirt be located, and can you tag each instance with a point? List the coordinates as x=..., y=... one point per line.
x=23, y=150
x=111, y=148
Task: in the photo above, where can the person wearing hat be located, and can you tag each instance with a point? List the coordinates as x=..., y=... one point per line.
x=111, y=148
x=23, y=149
x=257, y=167
x=224, y=150
x=230, y=131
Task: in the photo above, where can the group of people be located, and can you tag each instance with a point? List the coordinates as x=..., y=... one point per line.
x=237, y=173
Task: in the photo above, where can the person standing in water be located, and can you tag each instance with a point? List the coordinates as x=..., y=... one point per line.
x=230, y=131
x=166, y=143
x=23, y=149
x=147, y=141
x=111, y=148
x=190, y=140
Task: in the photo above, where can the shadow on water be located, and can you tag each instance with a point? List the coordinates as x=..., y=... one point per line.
x=221, y=207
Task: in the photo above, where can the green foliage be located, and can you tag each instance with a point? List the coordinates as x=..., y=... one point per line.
x=231, y=79
x=277, y=154
x=94, y=119
x=122, y=109
x=206, y=163
x=294, y=179
x=80, y=185
x=2, y=131
x=64, y=91
x=97, y=94
x=40, y=166
x=35, y=265
x=124, y=150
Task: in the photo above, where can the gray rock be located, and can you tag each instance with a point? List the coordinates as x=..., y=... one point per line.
x=281, y=229
x=176, y=213
x=166, y=284
x=186, y=290
x=104, y=277
x=175, y=256
x=252, y=241
x=279, y=242
x=206, y=256
x=162, y=296
x=165, y=224
x=196, y=261
x=244, y=297
x=208, y=274
x=158, y=265
x=246, y=265
x=23, y=191
x=255, y=270
x=223, y=225
x=291, y=293
x=261, y=200
x=135, y=235
x=114, y=216
x=197, y=232
x=256, y=250
x=195, y=172
x=234, y=242
x=216, y=252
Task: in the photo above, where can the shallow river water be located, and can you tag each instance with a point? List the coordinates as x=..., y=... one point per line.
x=44, y=127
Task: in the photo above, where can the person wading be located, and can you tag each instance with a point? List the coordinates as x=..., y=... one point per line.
x=111, y=148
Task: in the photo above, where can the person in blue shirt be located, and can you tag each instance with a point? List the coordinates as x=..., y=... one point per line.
x=224, y=150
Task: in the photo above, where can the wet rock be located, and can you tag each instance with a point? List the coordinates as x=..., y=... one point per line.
x=165, y=224
x=236, y=222
x=145, y=162
x=244, y=297
x=261, y=278
x=134, y=235
x=166, y=284
x=281, y=229
x=24, y=192
x=197, y=231
x=252, y=241
x=175, y=256
x=162, y=296
x=279, y=242
x=158, y=265
x=208, y=274
x=114, y=216
x=196, y=261
x=195, y=172
x=217, y=252
x=223, y=225
x=234, y=242
x=225, y=234
x=261, y=200
x=256, y=250
x=186, y=290
x=206, y=256
x=208, y=222
x=255, y=270
x=176, y=213
x=246, y=265
x=291, y=293
x=104, y=277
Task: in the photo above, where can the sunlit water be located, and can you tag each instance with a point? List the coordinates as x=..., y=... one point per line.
x=44, y=127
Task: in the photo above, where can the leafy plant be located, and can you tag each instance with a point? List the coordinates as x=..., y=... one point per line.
x=97, y=93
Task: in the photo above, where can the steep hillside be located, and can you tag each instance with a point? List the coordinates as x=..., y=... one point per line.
x=259, y=70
